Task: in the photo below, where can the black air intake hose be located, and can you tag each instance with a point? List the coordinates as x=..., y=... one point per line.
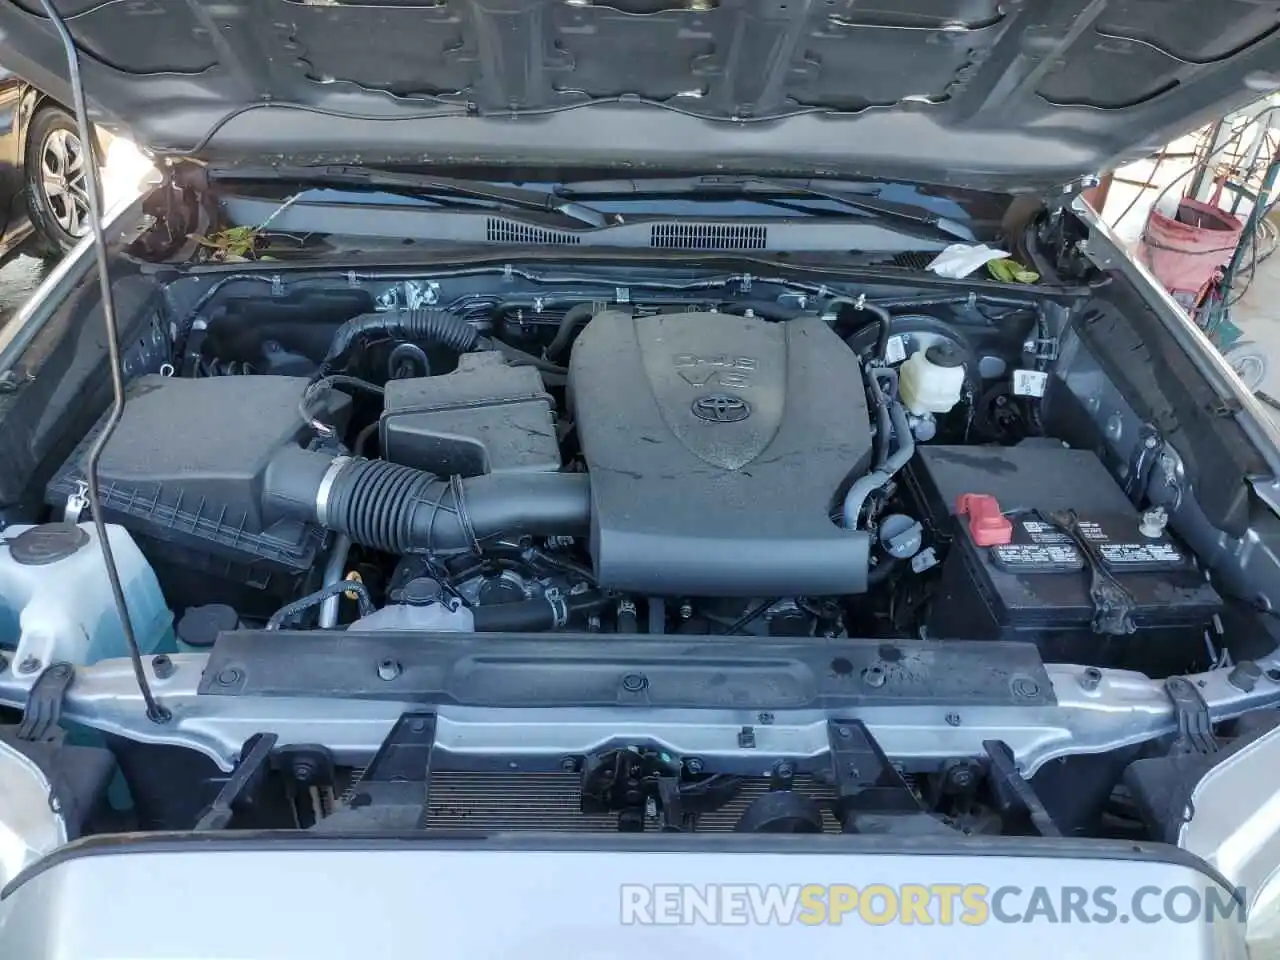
x=398, y=509
x=434, y=326
x=534, y=615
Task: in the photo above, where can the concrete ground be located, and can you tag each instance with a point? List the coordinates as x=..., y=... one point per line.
x=18, y=279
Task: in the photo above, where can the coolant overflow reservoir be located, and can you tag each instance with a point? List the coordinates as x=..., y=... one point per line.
x=931, y=380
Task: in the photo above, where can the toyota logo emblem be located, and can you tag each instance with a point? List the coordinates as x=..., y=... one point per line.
x=721, y=408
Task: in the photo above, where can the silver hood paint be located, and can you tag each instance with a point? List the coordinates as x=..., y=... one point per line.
x=538, y=897
x=980, y=93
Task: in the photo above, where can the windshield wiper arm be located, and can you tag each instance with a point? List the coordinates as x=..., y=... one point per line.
x=917, y=219
x=418, y=184
x=889, y=209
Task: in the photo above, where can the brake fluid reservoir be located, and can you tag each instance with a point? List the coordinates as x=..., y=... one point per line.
x=931, y=380
x=56, y=601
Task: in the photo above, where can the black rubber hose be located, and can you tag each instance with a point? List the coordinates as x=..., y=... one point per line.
x=531, y=615
x=514, y=617
x=877, y=315
x=397, y=509
x=573, y=317
x=440, y=327
x=291, y=610
x=884, y=424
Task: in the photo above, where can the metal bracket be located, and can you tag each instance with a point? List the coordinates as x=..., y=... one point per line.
x=405, y=755
x=865, y=781
x=77, y=503
x=1041, y=348
x=244, y=780
x=1013, y=794
x=1191, y=714
x=640, y=783
x=43, y=711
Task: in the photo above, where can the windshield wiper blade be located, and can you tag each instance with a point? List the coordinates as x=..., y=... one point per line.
x=418, y=184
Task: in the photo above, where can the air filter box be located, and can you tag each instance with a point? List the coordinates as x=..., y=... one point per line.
x=183, y=473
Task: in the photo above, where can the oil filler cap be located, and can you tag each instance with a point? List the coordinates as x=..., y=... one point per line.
x=988, y=525
x=47, y=543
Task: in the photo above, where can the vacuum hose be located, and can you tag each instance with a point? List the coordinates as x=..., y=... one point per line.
x=434, y=326
x=885, y=469
x=397, y=509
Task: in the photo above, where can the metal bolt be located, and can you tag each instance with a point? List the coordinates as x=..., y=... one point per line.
x=874, y=676
x=229, y=677
x=162, y=666
x=634, y=682
x=388, y=669
x=303, y=770
x=1150, y=443
x=1245, y=675
x=844, y=733
x=569, y=764
x=417, y=726
x=29, y=665
x=784, y=770
x=959, y=775
x=693, y=765
x=60, y=671
x=1025, y=687
x=953, y=719
x=686, y=610
x=1090, y=679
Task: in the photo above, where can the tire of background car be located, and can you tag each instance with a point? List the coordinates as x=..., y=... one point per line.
x=55, y=182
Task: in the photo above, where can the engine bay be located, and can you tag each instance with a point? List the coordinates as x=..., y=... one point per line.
x=354, y=502
x=713, y=471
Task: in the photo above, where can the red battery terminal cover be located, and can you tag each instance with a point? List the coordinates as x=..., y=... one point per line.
x=988, y=525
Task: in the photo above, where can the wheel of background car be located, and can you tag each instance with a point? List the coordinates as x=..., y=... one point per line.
x=55, y=167
x=1249, y=361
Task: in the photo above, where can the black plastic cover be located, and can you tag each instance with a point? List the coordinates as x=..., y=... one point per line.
x=539, y=670
x=485, y=417
x=718, y=446
x=183, y=473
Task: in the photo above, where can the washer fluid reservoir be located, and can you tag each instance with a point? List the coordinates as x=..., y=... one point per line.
x=932, y=380
x=56, y=602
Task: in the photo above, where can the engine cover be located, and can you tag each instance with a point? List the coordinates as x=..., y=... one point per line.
x=718, y=446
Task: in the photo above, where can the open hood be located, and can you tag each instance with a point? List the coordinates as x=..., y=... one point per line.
x=995, y=94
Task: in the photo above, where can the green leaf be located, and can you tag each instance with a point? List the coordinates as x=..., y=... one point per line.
x=1010, y=271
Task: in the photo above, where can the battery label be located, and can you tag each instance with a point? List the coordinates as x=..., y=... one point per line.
x=1037, y=547
x=1036, y=557
x=1041, y=532
x=1140, y=554
x=1042, y=547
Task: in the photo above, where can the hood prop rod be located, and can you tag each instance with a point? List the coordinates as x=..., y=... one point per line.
x=155, y=712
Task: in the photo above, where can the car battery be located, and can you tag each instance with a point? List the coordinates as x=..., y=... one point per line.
x=1014, y=571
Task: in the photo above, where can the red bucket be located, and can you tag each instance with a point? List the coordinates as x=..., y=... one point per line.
x=1186, y=252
